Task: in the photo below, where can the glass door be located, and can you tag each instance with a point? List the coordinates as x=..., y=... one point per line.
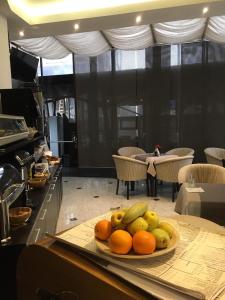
x=61, y=116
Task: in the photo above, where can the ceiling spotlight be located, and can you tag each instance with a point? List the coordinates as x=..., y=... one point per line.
x=21, y=33
x=205, y=10
x=138, y=19
x=76, y=26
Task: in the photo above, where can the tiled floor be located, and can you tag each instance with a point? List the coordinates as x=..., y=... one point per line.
x=85, y=198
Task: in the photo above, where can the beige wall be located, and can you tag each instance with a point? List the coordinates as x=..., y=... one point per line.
x=5, y=72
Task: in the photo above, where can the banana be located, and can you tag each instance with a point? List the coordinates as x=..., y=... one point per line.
x=135, y=211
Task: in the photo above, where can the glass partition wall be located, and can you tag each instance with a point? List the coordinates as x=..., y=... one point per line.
x=167, y=95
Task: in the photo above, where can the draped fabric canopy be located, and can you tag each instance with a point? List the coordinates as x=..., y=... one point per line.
x=127, y=38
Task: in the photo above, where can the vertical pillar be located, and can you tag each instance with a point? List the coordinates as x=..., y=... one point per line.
x=5, y=73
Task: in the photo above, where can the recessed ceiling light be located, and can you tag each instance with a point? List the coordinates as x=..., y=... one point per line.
x=205, y=10
x=138, y=19
x=76, y=26
x=21, y=33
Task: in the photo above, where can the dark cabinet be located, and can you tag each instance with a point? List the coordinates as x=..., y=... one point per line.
x=47, y=217
x=44, y=217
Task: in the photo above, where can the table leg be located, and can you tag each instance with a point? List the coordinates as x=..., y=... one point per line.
x=132, y=184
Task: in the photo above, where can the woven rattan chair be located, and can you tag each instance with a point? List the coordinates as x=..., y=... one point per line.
x=167, y=170
x=181, y=151
x=202, y=173
x=130, y=170
x=129, y=151
x=215, y=156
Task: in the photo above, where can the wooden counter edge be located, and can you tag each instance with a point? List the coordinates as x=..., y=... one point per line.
x=69, y=254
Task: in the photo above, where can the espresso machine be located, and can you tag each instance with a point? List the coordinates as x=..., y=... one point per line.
x=11, y=186
x=25, y=159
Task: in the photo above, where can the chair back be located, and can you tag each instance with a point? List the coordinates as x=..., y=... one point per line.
x=129, y=169
x=128, y=151
x=202, y=173
x=215, y=155
x=167, y=170
x=181, y=151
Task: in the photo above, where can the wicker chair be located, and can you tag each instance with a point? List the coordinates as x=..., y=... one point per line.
x=181, y=151
x=202, y=173
x=129, y=151
x=167, y=170
x=215, y=156
x=130, y=170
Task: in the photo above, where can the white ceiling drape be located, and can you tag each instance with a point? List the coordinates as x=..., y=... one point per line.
x=179, y=31
x=215, y=30
x=130, y=38
x=85, y=43
x=46, y=47
x=127, y=38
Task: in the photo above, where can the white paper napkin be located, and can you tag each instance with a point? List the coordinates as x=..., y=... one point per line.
x=194, y=190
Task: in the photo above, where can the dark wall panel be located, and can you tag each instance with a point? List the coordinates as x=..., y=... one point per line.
x=174, y=105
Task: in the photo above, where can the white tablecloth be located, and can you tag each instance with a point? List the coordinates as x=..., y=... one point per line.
x=151, y=160
x=209, y=204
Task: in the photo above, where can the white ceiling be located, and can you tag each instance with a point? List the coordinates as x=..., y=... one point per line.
x=167, y=10
x=162, y=24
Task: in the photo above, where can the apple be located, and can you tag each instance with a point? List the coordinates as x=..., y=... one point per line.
x=152, y=219
x=117, y=218
x=162, y=238
x=137, y=225
x=167, y=227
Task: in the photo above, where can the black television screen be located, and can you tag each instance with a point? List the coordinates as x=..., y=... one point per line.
x=19, y=102
x=23, y=65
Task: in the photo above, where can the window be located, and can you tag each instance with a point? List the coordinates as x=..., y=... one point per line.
x=39, y=68
x=58, y=66
x=175, y=55
x=129, y=60
x=104, y=62
x=191, y=53
x=82, y=64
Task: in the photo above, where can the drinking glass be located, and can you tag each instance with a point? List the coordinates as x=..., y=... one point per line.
x=191, y=181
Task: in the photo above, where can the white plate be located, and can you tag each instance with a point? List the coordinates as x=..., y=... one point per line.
x=103, y=247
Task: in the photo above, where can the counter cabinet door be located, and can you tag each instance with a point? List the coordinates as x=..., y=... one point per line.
x=39, y=228
x=52, y=206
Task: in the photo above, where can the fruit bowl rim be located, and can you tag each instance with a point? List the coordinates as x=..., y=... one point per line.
x=104, y=248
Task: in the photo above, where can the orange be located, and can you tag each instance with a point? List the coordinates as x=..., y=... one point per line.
x=120, y=242
x=144, y=242
x=103, y=229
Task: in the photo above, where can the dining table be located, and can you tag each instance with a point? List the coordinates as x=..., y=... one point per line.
x=151, y=159
x=206, y=200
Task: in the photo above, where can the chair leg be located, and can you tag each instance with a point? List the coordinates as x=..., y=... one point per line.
x=117, y=186
x=147, y=186
x=132, y=185
x=127, y=183
x=178, y=185
x=155, y=186
x=173, y=190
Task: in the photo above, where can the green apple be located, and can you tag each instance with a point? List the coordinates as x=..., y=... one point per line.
x=162, y=238
x=152, y=219
x=167, y=227
x=137, y=225
x=117, y=218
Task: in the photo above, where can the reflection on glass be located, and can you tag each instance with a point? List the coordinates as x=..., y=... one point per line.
x=130, y=60
x=58, y=66
x=130, y=123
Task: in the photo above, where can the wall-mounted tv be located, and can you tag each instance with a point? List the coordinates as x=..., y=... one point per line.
x=23, y=65
x=19, y=102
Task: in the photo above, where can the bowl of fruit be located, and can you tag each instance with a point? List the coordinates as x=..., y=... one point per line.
x=135, y=232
